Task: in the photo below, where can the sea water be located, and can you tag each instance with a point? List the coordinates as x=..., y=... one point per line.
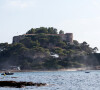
x=57, y=80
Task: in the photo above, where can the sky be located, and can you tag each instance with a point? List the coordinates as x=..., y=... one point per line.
x=80, y=17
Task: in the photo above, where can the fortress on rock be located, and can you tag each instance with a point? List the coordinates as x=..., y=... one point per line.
x=68, y=37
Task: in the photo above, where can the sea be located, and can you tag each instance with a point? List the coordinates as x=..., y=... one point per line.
x=57, y=80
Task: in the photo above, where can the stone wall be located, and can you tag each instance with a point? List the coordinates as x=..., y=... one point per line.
x=69, y=37
x=16, y=39
x=65, y=37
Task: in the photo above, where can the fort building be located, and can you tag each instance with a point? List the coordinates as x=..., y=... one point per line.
x=68, y=37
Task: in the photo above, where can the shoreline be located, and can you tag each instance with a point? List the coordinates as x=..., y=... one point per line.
x=69, y=69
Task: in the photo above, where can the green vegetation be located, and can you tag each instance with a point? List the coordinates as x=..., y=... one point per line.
x=44, y=30
x=35, y=52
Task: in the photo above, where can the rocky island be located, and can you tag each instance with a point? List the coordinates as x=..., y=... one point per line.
x=46, y=49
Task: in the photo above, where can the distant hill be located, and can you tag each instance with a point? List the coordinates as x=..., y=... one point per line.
x=44, y=48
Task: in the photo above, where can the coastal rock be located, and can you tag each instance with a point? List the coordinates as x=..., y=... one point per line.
x=19, y=84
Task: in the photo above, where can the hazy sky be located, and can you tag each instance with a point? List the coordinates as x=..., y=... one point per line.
x=80, y=17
